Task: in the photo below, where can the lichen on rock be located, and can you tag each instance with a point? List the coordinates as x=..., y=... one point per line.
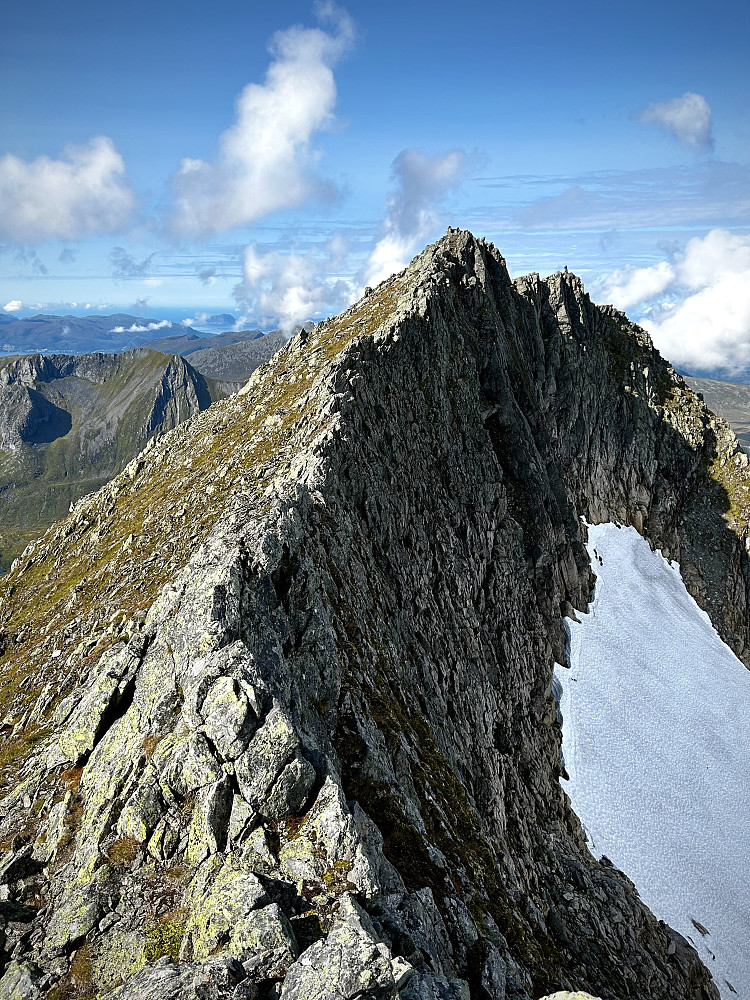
x=311, y=723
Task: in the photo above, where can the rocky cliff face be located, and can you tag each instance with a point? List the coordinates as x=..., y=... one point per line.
x=70, y=423
x=277, y=701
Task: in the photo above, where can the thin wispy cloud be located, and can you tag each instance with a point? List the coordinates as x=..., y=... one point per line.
x=125, y=265
x=83, y=194
x=412, y=216
x=267, y=161
x=687, y=119
x=705, y=193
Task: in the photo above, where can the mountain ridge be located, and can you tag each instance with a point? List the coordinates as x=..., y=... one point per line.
x=68, y=423
x=308, y=659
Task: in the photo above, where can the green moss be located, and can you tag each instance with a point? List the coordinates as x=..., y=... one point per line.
x=336, y=878
x=732, y=492
x=19, y=748
x=165, y=937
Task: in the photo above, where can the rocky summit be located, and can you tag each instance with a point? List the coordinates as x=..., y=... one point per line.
x=277, y=705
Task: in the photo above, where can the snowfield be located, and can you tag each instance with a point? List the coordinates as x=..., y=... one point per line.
x=656, y=740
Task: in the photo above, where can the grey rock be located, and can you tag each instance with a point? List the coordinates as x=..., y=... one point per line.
x=350, y=963
x=338, y=707
x=20, y=981
x=273, y=776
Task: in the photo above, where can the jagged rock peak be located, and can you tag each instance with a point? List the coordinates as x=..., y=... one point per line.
x=278, y=700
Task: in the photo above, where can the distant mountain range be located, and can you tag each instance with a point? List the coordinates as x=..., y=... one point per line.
x=45, y=334
x=70, y=423
x=730, y=400
x=187, y=340
x=49, y=334
x=235, y=361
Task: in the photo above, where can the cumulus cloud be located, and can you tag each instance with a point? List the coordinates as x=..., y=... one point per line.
x=207, y=275
x=686, y=118
x=419, y=182
x=142, y=328
x=124, y=265
x=13, y=306
x=84, y=193
x=697, y=305
x=266, y=160
x=290, y=288
x=631, y=286
x=67, y=256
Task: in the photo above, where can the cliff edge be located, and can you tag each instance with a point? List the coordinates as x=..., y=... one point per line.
x=277, y=701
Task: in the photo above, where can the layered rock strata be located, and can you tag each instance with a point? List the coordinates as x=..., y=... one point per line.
x=277, y=701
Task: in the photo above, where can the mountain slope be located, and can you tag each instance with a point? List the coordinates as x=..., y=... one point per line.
x=70, y=423
x=187, y=342
x=236, y=362
x=281, y=692
x=730, y=400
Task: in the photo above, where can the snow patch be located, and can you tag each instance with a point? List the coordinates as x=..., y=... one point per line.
x=656, y=742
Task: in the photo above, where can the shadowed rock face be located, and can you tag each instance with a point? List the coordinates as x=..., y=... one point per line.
x=292, y=729
x=70, y=423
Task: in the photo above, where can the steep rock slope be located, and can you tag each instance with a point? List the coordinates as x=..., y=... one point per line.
x=70, y=423
x=277, y=700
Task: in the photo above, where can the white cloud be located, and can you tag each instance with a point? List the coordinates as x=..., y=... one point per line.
x=687, y=118
x=138, y=328
x=697, y=307
x=266, y=161
x=13, y=306
x=631, y=286
x=420, y=181
x=83, y=194
x=291, y=288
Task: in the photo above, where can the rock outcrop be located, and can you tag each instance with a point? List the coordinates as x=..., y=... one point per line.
x=70, y=423
x=277, y=701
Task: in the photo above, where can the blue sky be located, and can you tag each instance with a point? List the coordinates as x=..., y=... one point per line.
x=135, y=175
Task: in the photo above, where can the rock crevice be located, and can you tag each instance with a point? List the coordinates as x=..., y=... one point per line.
x=336, y=769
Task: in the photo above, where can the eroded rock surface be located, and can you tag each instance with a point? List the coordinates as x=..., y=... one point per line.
x=278, y=700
